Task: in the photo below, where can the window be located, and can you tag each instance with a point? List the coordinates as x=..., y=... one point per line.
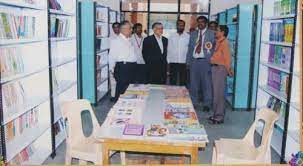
x=134, y=5
x=194, y=6
x=190, y=21
x=137, y=17
x=168, y=21
x=166, y=6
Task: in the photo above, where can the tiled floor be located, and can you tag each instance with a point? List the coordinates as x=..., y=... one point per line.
x=235, y=126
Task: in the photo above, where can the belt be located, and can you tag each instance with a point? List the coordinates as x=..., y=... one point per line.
x=214, y=65
x=126, y=63
x=199, y=58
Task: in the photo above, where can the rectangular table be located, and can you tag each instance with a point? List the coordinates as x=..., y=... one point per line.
x=112, y=138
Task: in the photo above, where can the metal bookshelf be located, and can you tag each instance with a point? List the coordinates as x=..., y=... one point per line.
x=244, y=23
x=285, y=140
x=94, y=50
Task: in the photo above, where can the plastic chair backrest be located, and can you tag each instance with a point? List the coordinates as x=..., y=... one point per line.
x=72, y=112
x=269, y=117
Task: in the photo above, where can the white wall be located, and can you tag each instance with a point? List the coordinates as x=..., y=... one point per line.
x=113, y=4
x=220, y=5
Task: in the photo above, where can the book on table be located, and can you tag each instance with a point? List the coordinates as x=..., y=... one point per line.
x=178, y=118
x=133, y=129
x=156, y=130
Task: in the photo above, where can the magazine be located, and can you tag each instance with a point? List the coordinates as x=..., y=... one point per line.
x=156, y=131
x=133, y=129
x=180, y=130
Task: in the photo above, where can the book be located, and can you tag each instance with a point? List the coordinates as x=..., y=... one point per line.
x=11, y=62
x=133, y=129
x=180, y=130
x=175, y=107
x=60, y=26
x=270, y=102
x=274, y=79
x=156, y=130
x=178, y=118
x=119, y=121
x=54, y=4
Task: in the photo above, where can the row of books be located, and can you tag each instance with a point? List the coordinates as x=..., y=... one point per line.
x=13, y=95
x=26, y=121
x=278, y=80
x=276, y=105
x=54, y=4
x=60, y=27
x=14, y=26
x=284, y=7
x=99, y=30
x=11, y=62
x=279, y=55
x=24, y=155
x=282, y=31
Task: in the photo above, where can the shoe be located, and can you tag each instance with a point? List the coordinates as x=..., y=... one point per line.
x=206, y=109
x=211, y=118
x=214, y=121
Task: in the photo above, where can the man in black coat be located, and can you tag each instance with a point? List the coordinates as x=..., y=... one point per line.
x=154, y=54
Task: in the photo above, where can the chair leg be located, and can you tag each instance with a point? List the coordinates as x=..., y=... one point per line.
x=123, y=158
x=68, y=158
x=214, y=158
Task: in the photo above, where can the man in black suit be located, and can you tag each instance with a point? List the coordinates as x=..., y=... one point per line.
x=154, y=54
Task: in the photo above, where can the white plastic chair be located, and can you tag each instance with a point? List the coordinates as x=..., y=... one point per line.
x=243, y=151
x=77, y=144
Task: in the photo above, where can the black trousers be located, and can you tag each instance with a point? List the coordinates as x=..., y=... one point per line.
x=157, y=73
x=141, y=74
x=178, y=74
x=124, y=75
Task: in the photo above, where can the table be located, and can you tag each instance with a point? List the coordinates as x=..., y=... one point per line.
x=112, y=139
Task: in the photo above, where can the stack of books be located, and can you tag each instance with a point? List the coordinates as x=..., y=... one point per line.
x=280, y=56
x=13, y=95
x=284, y=7
x=282, y=31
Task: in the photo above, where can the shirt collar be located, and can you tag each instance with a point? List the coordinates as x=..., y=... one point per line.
x=158, y=38
x=123, y=37
x=222, y=39
x=203, y=31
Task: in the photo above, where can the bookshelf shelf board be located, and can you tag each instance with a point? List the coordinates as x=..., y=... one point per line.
x=101, y=51
x=280, y=17
x=57, y=118
x=277, y=67
x=22, y=5
x=295, y=105
x=279, y=126
x=103, y=80
x=27, y=107
x=101, y=67
x=58, y=39
x=101, y=21
x=274, y=93
x=278, y=43
x=28, y=138
x=294, y=134
x=63, y=62
x=9, y=42
x=60, y=12
x=101, y=37
x=60, y=138
x=39, y=156
x=22, y=75
x=65, y=85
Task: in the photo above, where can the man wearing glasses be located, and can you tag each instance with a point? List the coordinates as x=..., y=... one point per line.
x=154, y=54
x=122, y=59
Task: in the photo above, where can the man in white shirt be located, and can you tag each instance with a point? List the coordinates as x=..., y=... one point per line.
x=176, y=54
x=155, y=54
x=137, y=41
x=122, y=59
x=115, y=34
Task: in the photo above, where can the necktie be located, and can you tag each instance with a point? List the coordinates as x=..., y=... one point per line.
x=199, y=44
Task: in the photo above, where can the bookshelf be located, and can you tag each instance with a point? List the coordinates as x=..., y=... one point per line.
x=94, y=49
x=280, y=75
x=63, y=61
x=25, y=84
x=243, y=21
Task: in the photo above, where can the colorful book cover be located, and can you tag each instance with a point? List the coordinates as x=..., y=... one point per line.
x=284, y=83
x=133, y=129
x=274, y=79
x=174, y=118
x=286, y=57
x=187, y=130
x=271, y=55
x=156, y=131
x=270, y=102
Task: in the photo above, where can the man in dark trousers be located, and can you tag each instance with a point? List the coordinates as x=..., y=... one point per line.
x=154, y=54
x=200, y=49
